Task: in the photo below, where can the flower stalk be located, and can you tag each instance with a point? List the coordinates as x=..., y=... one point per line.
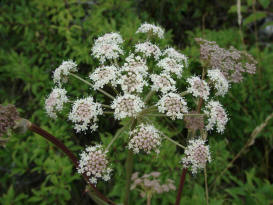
x=34, y=128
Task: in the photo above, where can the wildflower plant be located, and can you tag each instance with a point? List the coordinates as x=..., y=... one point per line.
x=141, y=85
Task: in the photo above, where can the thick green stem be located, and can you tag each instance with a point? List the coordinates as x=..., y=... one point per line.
x=129, y=170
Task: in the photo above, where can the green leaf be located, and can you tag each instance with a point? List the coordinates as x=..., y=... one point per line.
x=264, y=3
x=254, y=17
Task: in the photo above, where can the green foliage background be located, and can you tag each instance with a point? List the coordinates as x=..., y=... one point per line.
x=37, y=35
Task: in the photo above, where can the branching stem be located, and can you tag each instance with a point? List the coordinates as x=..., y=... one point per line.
x=34, y=128
x=88, y=83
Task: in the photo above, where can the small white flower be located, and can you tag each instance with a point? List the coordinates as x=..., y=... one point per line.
x=107, y=47
x=61, y=73
x=198, y=87
x=179, y=57
x=135, y=63
x=85, y=114
x=94, y=164
x=146, y=138
x=131, y=82
x=163, y=82
x=55, y=101
x=150, y=28
x=173, y=105
x=197, y=155
x=216, y=116
x=111, y=38
x=219, y=80
x=103, y=76
x=171, y=66
x=148, y=49
x=127, y=106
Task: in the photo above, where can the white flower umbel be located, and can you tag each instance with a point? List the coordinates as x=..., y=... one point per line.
x=132, y=82
x=103, y=76
x=219, y=81
x=148, y=49
x=135, y=63
x=107, y=47
x=111, y=38
x=216, y=116
x=127, y=106
x=179, y=57
x=163, y=82
x=198, y=87
x=151, y=29
x=55, y=101
x=93, y=162
x=197, y=155
x=173, y=105
x=85, y=114
x=60, y=75
x=146, y=138
x=171, y=66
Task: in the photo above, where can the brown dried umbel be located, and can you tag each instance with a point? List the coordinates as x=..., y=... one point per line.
x=194, y=122
x=231, y=62
x=8, y=115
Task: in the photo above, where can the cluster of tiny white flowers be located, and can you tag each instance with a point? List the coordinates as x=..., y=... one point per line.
x=148, y=49
x=85, y=114
x=163, y=82
x=219, y=80
x=170, y=65
x=197, y=155
x=104, y=75
x=173, y=105
x=216, y=116
x=136, y=64
x=179, y=57
x=127, y=106
x=198, y=87
x=107, y=47
x=150, y=28
x=55, y=102
x=146, y=138
x=60, y=75
x=93, y=162
x=132, y=82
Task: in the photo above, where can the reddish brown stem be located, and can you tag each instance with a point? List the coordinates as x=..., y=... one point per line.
x=181, y=185
x=72, y=157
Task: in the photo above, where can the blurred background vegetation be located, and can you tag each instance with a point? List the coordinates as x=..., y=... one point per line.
x=37, y=35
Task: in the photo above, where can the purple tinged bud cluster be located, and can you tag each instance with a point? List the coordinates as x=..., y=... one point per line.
x=8, y=116
x=149, y=183
x=194, y=122
x=231, y=62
